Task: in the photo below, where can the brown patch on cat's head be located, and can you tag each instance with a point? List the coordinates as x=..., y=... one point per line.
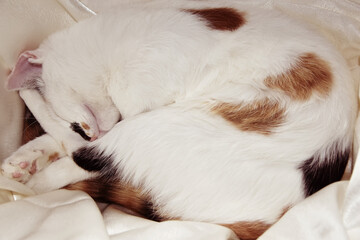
x=260, y=116
x=248, y=230
x=85, y=126
x=310, y=73
x=224, y=19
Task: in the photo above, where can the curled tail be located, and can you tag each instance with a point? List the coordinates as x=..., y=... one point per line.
x=116, y=192
x=134, y=199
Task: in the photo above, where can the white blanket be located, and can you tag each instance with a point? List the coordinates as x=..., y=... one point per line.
x=332, y=213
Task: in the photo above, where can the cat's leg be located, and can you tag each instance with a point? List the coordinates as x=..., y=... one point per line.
x=56, y=127
x=31, y=158
x=28, y=161
x=43, y=165
x=57, y=175
x=63, y=140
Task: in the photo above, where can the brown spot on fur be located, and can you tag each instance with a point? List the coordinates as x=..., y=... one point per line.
x=119, y=193
x=310, y=73
x=225, y=19
x=53, y=157
x=248, y=230
x=85, y=126
x=252, y=230
x=259, y=116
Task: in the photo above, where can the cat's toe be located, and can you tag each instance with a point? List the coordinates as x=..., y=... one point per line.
x=21, y=165
x=24, y=163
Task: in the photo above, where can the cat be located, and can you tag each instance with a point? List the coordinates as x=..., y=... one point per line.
x=211, y=111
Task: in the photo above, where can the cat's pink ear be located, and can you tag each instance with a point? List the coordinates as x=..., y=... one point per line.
x=27, y=71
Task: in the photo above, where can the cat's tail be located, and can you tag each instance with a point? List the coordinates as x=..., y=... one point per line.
x=248, y=230
x=133, y=199
x=117, y=192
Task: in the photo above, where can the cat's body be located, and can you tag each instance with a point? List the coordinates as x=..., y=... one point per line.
x=229, y=113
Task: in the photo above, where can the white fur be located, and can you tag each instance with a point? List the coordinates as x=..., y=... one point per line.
x=163, y=70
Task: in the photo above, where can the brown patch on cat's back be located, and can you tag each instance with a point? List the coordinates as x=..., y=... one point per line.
x=248, y=230
x=309, y=74
x=224, y=19
x=260, y=116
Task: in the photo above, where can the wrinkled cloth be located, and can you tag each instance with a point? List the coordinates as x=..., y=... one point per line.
x=331, y=213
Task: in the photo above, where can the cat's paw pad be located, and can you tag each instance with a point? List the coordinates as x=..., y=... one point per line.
x=21, y=165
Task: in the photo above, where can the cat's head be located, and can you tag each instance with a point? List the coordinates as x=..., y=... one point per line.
x=83, y=103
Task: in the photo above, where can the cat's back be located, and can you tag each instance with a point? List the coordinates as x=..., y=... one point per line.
x=198, y=48
x=230, y=52
x=252, y=37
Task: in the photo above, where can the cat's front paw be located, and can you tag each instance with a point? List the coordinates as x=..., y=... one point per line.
x=31, y=158
x=21, y=165
x=25, y=162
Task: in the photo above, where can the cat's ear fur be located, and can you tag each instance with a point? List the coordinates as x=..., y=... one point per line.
x=27, y=71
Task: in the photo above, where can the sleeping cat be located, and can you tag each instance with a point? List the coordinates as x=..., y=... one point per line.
x=209, y=111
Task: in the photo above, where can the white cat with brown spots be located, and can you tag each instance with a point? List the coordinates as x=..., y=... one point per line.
x=230, y=114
